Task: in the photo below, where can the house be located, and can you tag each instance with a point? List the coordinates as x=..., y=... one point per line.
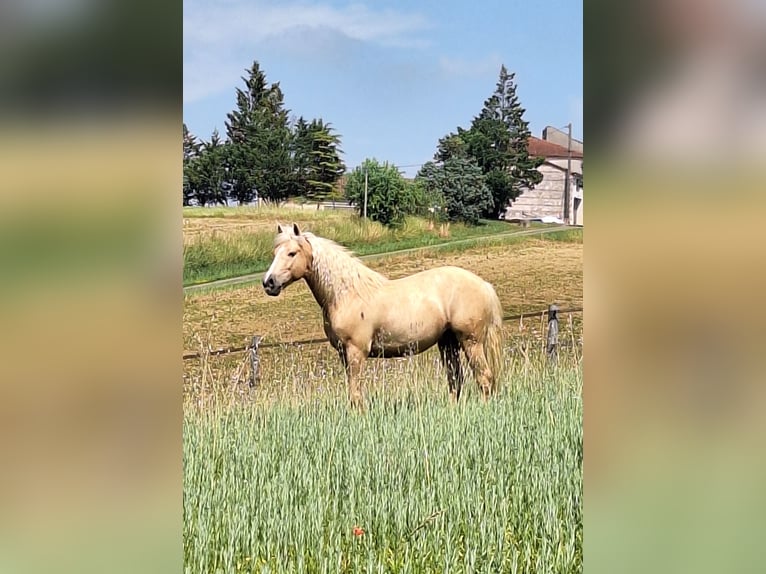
x=547, y=198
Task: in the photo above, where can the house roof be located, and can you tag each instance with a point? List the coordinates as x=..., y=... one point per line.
x=544, y=148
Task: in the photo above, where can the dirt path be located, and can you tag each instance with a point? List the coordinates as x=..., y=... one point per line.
x=254, y=277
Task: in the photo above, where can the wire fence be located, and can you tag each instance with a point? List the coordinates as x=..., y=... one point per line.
x=257, y=343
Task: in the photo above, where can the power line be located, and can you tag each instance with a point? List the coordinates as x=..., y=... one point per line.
x=411, y=165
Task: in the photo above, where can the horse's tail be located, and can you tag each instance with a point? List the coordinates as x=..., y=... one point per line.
x=493, y=336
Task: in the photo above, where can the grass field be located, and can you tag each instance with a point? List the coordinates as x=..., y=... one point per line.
x=286, y=478
x=284, y=484
x=226, y=244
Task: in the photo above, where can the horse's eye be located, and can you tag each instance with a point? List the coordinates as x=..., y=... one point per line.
x=292, y=254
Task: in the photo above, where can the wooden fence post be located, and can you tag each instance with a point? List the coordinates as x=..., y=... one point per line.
x=553, y=331
x=255, y=362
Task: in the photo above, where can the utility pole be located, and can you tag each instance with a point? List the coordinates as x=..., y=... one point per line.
x=365, y=193
x=569, y=175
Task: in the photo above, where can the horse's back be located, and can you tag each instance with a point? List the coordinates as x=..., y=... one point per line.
x=462, y=296
x=445, y=272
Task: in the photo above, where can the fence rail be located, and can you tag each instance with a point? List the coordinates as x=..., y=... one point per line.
x=256, y=343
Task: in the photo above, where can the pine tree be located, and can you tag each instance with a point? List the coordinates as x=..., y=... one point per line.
x=273, y=164
x=191, y=150
x=452, y=145
x=260, y=140
x=209, y=172
x=301, y=157
x=499, y=141
x=191, y=145
x=240, y=121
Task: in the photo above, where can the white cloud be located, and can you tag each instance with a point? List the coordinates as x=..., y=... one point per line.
x=487, y=66
x=216, y=34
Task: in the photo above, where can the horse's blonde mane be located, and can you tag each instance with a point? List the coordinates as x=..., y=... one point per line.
x=336, y=272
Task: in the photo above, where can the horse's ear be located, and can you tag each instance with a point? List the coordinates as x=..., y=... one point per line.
x=296, y=231
x=279, y=228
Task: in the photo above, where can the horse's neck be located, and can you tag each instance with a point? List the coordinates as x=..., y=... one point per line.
x=334, y=278
x=321, y=294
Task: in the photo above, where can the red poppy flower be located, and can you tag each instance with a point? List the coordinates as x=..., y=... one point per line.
x=358, y=531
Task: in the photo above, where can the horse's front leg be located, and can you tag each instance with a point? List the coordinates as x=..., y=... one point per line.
x=353, y=358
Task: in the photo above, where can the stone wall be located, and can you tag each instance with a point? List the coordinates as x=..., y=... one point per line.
x=547, y=198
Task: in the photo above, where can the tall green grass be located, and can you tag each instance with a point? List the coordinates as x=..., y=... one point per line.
x=223, y=255
x=279, y=484
x=220, y=255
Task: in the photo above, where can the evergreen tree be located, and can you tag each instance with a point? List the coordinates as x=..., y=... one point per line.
x=209, y=172
x=316, y=159
x=499, y=140
x=326, y=167
x=452, y=145
x=301, y=157
x=191, y=145
x=460, y=182
x=259, y=138
x=262, y=154
x=191, y=150
x=273, y=160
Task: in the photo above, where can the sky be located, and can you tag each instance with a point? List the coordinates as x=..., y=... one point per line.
x=391, y=77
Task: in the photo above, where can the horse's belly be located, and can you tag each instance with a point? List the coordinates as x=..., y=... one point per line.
x=392, y=351
x=407, y=323
x=388, y=344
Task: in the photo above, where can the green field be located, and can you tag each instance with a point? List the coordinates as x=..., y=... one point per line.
x=220, y=251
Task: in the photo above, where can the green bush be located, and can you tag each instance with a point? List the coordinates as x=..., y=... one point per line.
x=429, y=202
x=389, y=197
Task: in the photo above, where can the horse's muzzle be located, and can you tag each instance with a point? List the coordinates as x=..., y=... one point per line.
x=271, y=287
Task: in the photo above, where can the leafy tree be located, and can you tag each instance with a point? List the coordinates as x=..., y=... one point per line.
x=260, y=139
x=191, y=150
x=460, y=182
x=388, y=198
x=316, y=159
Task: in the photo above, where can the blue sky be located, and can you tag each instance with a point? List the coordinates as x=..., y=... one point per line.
x=392, y=77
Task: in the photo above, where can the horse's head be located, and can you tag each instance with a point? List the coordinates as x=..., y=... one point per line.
x=292, y=260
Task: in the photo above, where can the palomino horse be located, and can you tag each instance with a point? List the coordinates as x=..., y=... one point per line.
x=367, y=315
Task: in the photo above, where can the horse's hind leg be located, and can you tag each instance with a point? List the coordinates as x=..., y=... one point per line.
x=479, y=365
x=449, y=348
